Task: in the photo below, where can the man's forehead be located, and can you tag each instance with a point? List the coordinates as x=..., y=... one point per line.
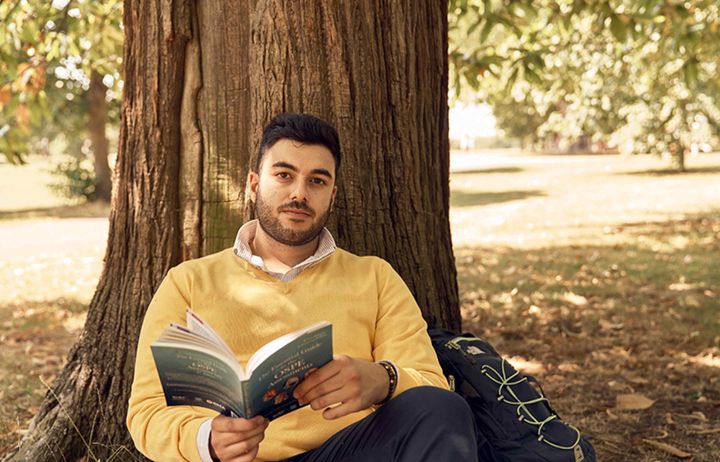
x=300, y=155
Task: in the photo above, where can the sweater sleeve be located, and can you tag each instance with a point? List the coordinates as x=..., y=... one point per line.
x=161, y=432
x=401, y=334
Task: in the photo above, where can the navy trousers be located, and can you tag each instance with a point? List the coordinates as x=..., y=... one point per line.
x=422, y=424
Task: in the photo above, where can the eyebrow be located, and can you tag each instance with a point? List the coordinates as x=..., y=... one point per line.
x=317, y=171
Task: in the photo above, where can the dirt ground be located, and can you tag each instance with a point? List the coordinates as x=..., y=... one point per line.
x=597, y=274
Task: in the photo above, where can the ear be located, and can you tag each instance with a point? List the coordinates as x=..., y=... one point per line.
x=332, y=198
x=253, y=182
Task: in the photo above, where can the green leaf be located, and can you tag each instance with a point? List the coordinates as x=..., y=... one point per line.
x=54, y=51
x=690, y=72
x=512, y=79
x=532, y=76
x=487, y=5
x=29, y=33
x=473, y=26
x=530, y=11
x=492, y=60
x=535, y=60
x=618, y=29
x=487, y=28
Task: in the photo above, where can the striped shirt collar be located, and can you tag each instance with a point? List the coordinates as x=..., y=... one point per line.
x=326, y=246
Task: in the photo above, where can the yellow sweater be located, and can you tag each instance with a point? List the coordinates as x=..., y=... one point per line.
x=374, y=317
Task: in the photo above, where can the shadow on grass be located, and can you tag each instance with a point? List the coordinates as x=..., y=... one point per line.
x=606, y=319
x=461, y=198
x=36, y=338
x=85, y=210
x=488, y=171
x=672, y=171
x=665, y=266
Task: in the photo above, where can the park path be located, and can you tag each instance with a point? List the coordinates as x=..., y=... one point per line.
x=50, y=258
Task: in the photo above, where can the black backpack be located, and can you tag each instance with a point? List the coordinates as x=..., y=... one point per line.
x=514, y=420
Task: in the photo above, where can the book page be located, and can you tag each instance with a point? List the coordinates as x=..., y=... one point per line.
x=180, y=337
x=197, y=325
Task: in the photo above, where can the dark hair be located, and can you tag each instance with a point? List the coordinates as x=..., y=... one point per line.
x=304, y=128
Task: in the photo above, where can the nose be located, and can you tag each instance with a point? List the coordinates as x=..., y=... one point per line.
x=300, y=192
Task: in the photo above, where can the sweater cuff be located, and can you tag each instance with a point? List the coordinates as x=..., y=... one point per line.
x=407, y=379
x=203, y=441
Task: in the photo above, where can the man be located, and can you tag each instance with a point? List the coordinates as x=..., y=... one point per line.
x=382, y=397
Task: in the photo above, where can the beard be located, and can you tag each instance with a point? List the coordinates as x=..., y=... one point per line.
x=272, y=226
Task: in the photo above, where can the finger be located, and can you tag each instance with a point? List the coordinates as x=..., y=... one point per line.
x=320, y=375
x=240, y=436
x=341, y=410
x=249, y=457
x=220, y=441
x=331, y=385
x=242, y=448
x=328, y=370
x=222, y=424
x=338, y=396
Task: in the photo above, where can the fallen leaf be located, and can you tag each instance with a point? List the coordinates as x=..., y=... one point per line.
x=632, y=402
x=575, y=299
x=668, y=448
x=680, y=286
x=607, y=325
x=637, y=380
x=707, y=432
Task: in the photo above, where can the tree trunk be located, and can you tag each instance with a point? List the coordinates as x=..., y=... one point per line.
x=84, y=413
x=191, y=120
x=377, y=71
x=98, y=139
x=224, y=115
x=678, y=158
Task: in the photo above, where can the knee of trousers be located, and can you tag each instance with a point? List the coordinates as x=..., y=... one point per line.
x=438, y=406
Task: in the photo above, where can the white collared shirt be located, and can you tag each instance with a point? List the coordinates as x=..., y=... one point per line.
x=326, y=246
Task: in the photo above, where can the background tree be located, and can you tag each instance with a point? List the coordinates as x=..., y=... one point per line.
x=201, y=81
x=60, y=77
x=638, y=74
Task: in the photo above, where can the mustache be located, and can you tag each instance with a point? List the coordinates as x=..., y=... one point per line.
x=297, y=206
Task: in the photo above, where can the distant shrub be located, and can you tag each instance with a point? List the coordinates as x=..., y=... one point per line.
x=76, y=177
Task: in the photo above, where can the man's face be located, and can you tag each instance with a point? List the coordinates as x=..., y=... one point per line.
x=293, y=191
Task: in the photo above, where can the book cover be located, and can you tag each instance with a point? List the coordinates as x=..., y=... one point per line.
x=197, y=368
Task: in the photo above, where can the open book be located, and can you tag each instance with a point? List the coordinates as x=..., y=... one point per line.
x=197, y=368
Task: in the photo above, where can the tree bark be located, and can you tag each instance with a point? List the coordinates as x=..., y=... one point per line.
x=84, y=413
x=377, y=70
x=199, y=87
x=224, y=115
x=96, y=128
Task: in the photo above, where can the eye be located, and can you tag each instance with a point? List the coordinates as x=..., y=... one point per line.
x=283, y=175
x=318, y=181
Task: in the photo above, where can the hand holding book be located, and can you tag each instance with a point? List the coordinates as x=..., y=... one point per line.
x=197, y=368
x=356, y=384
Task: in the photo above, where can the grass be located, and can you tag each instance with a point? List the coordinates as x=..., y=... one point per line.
x=36, y=338
x=604, y=283
x=469, y=199
x=595, y=322
x=591, y=272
